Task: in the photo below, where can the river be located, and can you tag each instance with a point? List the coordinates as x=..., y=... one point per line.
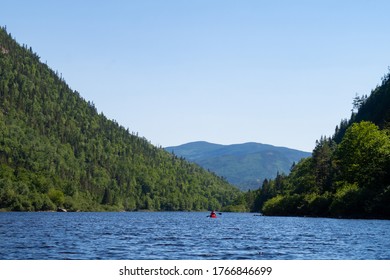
x=188, y=235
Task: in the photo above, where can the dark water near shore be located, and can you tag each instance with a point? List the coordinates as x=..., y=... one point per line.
x=187, y=235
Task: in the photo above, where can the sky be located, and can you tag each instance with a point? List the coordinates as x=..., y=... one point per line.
x=276, y=72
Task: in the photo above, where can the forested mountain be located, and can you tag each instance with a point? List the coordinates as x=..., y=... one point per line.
x=244, y=165
x=348, y=174
x=56, y=150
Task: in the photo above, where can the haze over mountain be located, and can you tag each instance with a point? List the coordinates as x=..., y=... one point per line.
x=244, y=165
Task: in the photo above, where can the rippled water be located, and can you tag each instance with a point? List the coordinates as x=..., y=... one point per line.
x=188, y=235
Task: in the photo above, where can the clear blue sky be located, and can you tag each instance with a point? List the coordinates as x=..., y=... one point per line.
x=275, y=72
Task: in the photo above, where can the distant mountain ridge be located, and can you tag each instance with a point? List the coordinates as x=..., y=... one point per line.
x=244, y=165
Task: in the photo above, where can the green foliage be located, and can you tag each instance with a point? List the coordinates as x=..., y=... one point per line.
x=318, y=204
x=301, y=179
x=235, y=208
x=347, y=201
x=348, y=175
x=56, y=150
x=364, y=155
x=244, y=165
x=284, y=205
x=374, y=108
x=57, y=197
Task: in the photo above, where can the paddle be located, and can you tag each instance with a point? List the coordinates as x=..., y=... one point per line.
x=208, y=216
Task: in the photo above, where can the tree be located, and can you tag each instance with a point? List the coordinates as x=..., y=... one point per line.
x=358, y=102
x=57, y=197
x=322, y=163
x=107, y=196
x=363, y=155
x=347, y=201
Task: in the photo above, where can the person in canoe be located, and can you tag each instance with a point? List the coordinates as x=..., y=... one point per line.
x=213, y=214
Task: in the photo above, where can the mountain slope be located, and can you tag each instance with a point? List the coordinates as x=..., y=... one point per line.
x=244, y=165
x=348, y=174
x=374, y=108
x=56, y=150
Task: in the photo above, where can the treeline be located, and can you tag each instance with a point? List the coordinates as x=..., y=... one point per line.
x=348, y=174
x=56, y=150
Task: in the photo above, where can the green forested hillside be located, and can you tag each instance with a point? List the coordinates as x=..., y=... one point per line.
x=348, y=174
x=56, y=150
x=243, y=165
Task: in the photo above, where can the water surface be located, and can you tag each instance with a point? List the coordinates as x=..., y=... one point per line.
x=188, y=235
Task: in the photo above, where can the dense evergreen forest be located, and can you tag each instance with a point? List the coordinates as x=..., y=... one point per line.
x=348, y=174
x=57, y=151
x=243, y=165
